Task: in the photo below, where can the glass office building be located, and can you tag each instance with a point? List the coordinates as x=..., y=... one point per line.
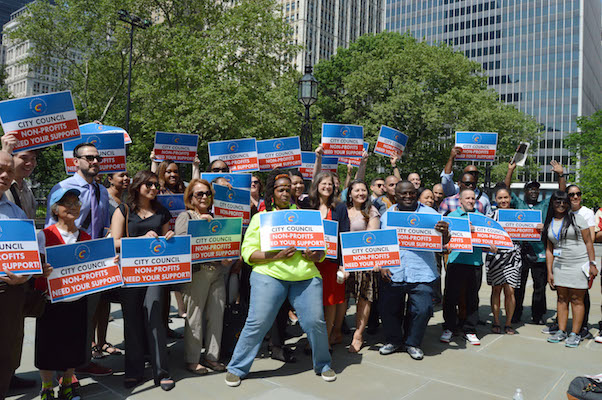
x=543, y=56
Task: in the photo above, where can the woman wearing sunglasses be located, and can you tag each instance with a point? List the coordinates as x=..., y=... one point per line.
x=205, y=295
x=142, y=307
x=570, y=263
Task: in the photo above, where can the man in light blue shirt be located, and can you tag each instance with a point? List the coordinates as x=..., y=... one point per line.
x=413, y=279
x=94, y=216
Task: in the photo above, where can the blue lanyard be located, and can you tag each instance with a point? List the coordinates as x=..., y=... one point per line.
x=557, y=234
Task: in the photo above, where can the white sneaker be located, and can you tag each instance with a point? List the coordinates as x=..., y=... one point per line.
x=472, y=339
x=598, y=338
x=446, y=336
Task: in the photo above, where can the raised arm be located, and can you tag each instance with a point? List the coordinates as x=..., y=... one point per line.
x=557, y=168
x=394, y=165
x=361, y=171
x=318, y=165
x=508, y=178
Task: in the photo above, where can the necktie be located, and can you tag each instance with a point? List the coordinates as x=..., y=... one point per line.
x=94, y=199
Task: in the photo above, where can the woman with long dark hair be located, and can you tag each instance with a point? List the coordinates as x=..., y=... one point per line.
x=170, y=181
x=570, y=260
x=278, y=275
x=362, y=285
x=322, y=197
x=142, y=307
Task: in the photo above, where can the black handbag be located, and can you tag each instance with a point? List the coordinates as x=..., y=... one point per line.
x=235, y=315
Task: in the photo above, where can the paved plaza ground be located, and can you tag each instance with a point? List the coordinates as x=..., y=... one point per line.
x=456, y=371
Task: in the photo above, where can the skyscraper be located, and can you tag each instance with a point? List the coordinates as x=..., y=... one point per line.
x=322, y=26
x=543, y=56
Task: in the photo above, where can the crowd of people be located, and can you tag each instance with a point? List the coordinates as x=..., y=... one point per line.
x=288, y=286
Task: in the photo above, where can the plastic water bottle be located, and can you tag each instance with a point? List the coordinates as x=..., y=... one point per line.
x=518, y=395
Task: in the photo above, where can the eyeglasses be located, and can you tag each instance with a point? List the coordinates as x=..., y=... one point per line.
x=151, y=185
x=91, y=158
x=71, y=204
x=200, y=194
x=559, y=202
x=225, y=169
x=380, y=184
x=254, y=183
x=575, y=194
x=469, y=183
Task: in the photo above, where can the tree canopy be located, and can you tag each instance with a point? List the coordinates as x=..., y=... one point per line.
x=425, y=91
x=586, y=144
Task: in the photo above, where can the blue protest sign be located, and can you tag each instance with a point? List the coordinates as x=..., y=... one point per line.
x=365, y=250
x=298, y=228
x=279, y=153
x=238, y=154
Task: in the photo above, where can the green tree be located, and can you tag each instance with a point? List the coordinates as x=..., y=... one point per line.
x=217, y=69
x=586, y=144
x=425, y=91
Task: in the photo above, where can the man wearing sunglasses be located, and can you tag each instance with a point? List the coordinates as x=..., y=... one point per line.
x=94, y=218
x=450, y=188
x=533, y=253
x=450, y=204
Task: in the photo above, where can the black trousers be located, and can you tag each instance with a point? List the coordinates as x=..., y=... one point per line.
x=12, y=300
x=539, y=274
x=457, y=278
x=143, y=325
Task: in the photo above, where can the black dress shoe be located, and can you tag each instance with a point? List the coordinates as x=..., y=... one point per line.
x=21, y=383
x=538, y=321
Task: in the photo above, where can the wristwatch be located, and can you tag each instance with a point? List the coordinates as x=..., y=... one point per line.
x=593, y=263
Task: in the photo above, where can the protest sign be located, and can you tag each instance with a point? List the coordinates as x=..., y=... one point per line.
x=174, y=204
x=238, y=154
x=354, y=160
x=215, y=240
x=155, y=261
x=342, y=140
x=82, y=268
x=110, y=147
x=521, y=224
x=241, y=181
x=19, y=251
x=92, y=128
x=178, y=147
x=476, y=146
x=486, y=232
x=298, y=228
x=391, y=142
x=461, y=239
x=308, y=161
x=416, y=231
x=362, y=251
x=279, y=153
x=232, y=203
x=40, y=120
x=331, y=237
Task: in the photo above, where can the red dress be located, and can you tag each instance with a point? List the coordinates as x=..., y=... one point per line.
x=332, y=292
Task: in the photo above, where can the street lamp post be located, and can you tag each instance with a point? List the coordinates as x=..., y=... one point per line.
x=308, y=95
x=134, y=22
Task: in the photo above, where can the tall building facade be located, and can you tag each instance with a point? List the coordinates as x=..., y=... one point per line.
x=543, y=56
x=322, y=26
x=23, y=79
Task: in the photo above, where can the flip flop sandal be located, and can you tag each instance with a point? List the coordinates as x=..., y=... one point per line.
x=111, y=350
x=496, y=329
x=509, y=330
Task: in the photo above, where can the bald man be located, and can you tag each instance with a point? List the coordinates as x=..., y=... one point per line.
x=414, y=178
x=12, y=288
x=438, y=195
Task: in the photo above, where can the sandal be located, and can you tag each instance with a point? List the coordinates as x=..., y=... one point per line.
x=97, y=353
x=356, y=345
x=509, y=330
x=198, y=370
x=214, y=365
x=495, y=328
x=110, y=349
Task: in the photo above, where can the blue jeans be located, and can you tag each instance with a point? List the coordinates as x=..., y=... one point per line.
x=267, y=295
x=392, y=304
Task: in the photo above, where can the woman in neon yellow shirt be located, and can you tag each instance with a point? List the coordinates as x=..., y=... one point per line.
x=278, y=275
